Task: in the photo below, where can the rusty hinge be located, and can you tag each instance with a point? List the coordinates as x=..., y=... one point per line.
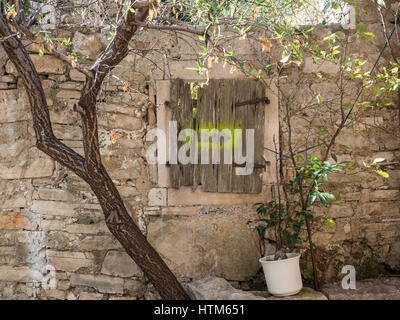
x=254, y=101
x=256, y=166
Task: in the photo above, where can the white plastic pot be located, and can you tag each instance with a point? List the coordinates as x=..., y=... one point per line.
x=283, y=277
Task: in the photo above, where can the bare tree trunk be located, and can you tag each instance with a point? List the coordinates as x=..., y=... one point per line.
x=90, y=167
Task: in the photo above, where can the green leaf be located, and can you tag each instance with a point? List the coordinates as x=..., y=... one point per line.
x=41, y=51
x=377, y=91
x=261, y=229
x=362, y=31
x=340, y=34
x=386, y=102
x=322, y=199
x=319, y=99
x=334, y=157
x=312, y=198
x=328, y=195
x=382, y=173
x=330, y=222
x=131, y=9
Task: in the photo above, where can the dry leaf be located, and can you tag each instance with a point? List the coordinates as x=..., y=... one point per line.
x=11, y=13
x=266, y=46
x=113, y=136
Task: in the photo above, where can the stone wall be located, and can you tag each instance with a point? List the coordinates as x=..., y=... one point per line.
x=54, y=243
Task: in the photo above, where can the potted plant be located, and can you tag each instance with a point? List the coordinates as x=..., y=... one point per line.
x=286, y=215
x=282, y=269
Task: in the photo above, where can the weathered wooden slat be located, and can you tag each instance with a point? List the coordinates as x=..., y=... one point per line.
x=226, y=118
x=207, y=117
x=181, y=105
x=250, y=117
x=174, y=169
x=255, y=118
x=241, y=90
x=186, y=122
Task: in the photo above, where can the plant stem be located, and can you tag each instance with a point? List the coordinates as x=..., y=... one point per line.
x=315, y=281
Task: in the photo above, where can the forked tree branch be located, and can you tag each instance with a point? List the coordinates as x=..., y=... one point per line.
x=115, y=52
x=117, y=218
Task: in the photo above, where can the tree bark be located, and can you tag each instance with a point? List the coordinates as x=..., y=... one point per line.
x=90, y=167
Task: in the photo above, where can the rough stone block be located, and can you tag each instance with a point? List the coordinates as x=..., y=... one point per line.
x=374, y=289
x=16, y=220
x=121, y=121
x=55, y=195
x=19, y=274
x=87, y=45
x=75, y=75
x=378, y=209
x=14, y=106
x=393, y=259
x=120, y=264
x=44, y=65
x=214, y=288
x=94, y=228
x=394, y=178
x=68, y=94
x=54, y=208
x=15, y=202
x=90, y=296
x=179, y=211
x=134, y=288
x=70, y=261
x=320, y=66
x=38, y=168
x=194, y=248
x=95, y=243
x=103, y=284
x=305, y=294
x=157, y=197
x=56, y=294
x=384, y=195
x=336, y=211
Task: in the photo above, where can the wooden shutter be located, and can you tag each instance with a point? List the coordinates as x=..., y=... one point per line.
x=217, y=108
